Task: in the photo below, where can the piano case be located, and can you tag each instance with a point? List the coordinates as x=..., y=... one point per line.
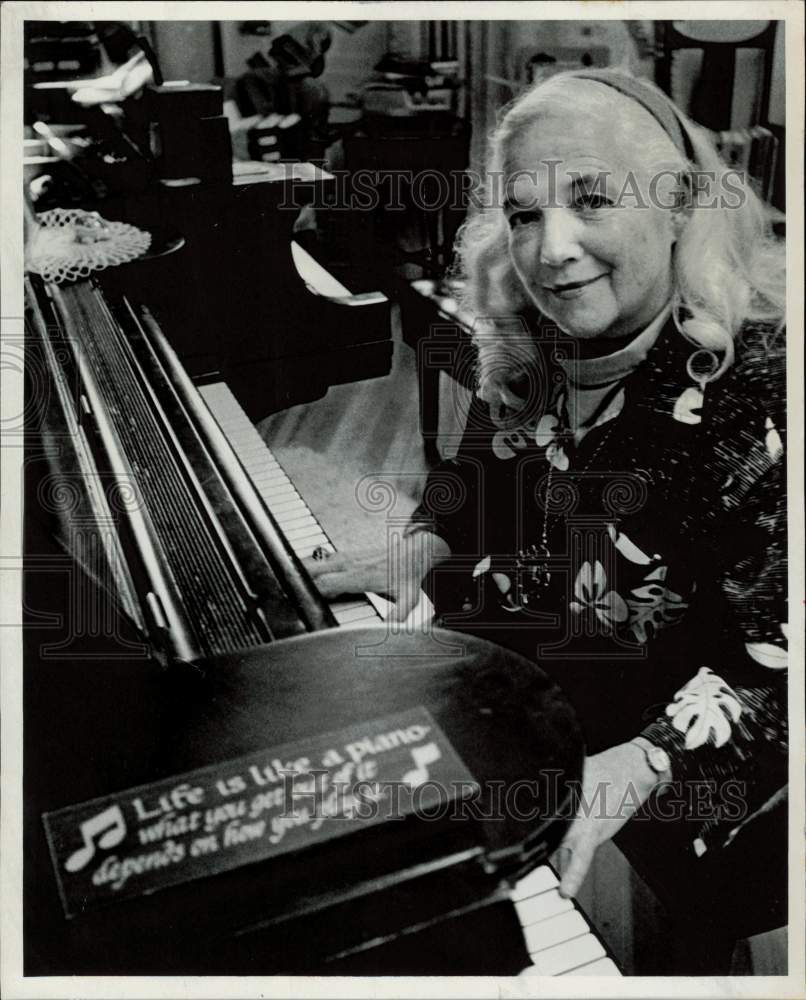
x=233, y=300
x=414, y=895
x=106, y=722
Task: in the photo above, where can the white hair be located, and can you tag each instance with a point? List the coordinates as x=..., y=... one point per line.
x=728, y=270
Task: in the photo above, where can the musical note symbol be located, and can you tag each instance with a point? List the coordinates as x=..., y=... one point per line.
x=110, y=829
x=423, y=756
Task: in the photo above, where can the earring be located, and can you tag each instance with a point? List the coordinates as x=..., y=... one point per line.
x=701, y=368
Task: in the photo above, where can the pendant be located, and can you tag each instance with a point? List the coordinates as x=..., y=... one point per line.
x=532, y=575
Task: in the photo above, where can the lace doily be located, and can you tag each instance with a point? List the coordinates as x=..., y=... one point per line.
x=70, y=243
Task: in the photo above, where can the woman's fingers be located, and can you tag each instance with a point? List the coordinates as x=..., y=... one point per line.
x=622, y=774
x=576, y=853
x=335, y=581
x=405, y=601
x=332, y=575
x=322, y=563
x=398, y=574
x=362, y=572
x=335, y=584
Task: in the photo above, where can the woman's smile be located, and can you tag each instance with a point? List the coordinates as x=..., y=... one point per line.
x=573, y=289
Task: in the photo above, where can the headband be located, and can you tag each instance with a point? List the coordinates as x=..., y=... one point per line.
x=656, y=103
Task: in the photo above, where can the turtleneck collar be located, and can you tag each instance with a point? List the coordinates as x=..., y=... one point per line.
x=595, y=385
x=587, y=373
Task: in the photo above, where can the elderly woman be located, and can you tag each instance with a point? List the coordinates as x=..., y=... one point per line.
x=617, y=510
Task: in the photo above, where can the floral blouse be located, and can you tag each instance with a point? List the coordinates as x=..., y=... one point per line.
x=643, y=566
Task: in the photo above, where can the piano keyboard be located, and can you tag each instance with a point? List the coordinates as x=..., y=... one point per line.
x=292, y=514
x=558, y=937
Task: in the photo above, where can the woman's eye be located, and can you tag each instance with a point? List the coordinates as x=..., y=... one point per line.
x=518, y=219
x=593, y=200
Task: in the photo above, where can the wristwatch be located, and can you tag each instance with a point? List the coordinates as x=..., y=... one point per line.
x=656, y=757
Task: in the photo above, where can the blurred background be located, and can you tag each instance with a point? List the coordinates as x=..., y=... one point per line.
x=381, y=94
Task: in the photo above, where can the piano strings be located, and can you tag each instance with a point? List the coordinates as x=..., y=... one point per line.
x=185, y=566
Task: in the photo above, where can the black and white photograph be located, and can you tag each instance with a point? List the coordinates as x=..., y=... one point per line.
x=402, y=443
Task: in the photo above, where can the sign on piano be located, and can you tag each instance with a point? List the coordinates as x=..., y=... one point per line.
x=255, y=807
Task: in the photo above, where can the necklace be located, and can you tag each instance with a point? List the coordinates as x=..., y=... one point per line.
x=532, y=572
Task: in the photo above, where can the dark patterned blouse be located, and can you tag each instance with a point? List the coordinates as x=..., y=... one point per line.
x=644, y=566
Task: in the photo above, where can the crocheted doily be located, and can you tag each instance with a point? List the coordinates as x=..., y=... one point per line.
x=70, y=243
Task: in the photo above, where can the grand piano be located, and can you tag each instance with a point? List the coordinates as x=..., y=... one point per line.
x=172, y=634
x=177, y=654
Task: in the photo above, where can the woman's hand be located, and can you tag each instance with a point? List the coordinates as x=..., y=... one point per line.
x=615, y=784
x=397, y=574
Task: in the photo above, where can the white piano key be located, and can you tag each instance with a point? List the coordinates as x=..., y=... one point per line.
x=554, y=930
x=382, y=606
x=313, y=535
x=249, y=445
x=563, y=958
x=268, y=494
x=248, y=437
x=566, y=958
x=558, y=937
x=536, y=881
x=270, y=476
x=274, y=501
x=297, y=523
x=537, y=908
x=273, y=491
x=252, y=451
x=306, y=540
x=273, y=498
x=295, y=503
x=270, y=470
x=347, y=605
x=272, y=484
x=254, y=454
x=371, y=619
x=294, y=510
x=281, y=492
x=602, y=967
x=293, y=519
x=216, y=392
x=345, y=617
x=292, y=515
x=284, y=503
x=294, y=532
x=287, y=508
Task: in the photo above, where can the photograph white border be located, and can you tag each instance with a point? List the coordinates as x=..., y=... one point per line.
x=13, y=983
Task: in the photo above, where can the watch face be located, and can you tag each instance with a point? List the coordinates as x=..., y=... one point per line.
x=658, y=760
